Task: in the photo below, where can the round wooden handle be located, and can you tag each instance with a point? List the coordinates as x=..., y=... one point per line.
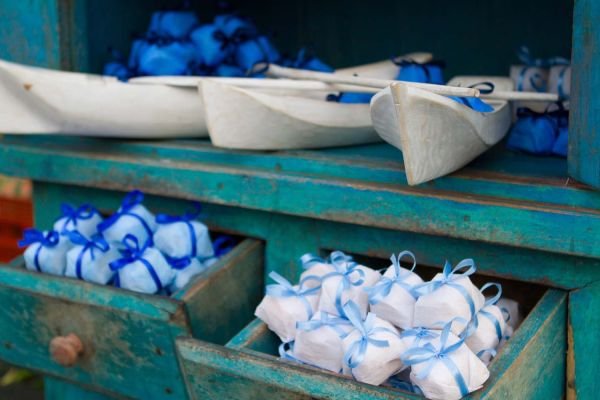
x=65, y=350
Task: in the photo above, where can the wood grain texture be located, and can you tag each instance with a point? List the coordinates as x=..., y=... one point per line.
x=60, y=389
x=584, y=129
x=584, y=320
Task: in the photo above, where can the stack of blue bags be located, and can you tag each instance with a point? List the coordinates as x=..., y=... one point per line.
x=176, y=43
x=132, y=248
x=542, y=134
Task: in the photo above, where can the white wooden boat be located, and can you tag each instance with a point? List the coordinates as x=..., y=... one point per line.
x=436, y=134
x=43, y=101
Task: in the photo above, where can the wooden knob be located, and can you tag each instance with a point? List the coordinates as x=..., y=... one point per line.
x=65, y=350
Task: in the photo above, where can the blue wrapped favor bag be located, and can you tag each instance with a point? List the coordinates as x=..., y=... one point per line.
x=411, y=71
x=132, y=218
x=561, y=145
x=226, y=70
x=351, y=97
x=211, y=45
x=235, y=28
x=167, y=58
x=305, y=60
x=533, y=132
x=251, y=52
x=175, y=24
x=84, y=219
x=89, y=259
x=138, y=47
x=46, y=251
x=185, y=269
x=118, y=70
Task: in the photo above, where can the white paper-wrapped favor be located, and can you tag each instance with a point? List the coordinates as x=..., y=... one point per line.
x=46, y=251
x=372, y=350
x=315, y=266
x=84, y=219
x=185, y=269
x=559, y=82
x=89, y=259
x=182, y=236
x=284, y=305
x=141, y=268
x=512, y=311
x=132, y=218
x=449, y=295
x=319, y=341
x=392, y=298
x=445, y=368
x=347, y=283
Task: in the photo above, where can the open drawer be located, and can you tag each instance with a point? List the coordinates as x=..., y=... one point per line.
x=531, y=365
x=128, y=339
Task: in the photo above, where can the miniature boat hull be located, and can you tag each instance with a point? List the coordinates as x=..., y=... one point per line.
x=43, y=101
x=241, y=118
x=436, y=134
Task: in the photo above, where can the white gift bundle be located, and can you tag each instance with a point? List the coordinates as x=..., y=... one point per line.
x=415, y=337
x=392, y=298
x=346, y=283
x=132, y=218
x=445, y=368
x=46, y=251
x=141, y=268
x=512, y=310
x=89, y=259
x=448, y=296
x=315, y=266
x=284, y=305
x=559, y=81
x=372, y=350
x=487, y=328
x=84, y=219
x=319, y=341
x=182, y=236
x=185, y=269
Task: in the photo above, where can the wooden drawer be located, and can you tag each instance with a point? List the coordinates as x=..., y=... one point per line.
x=128, y=338
x=530, y=366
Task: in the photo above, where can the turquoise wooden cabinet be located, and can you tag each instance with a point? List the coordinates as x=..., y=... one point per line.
x=127, y=338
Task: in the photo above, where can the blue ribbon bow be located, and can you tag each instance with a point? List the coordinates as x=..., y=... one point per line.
x=536, y=81
x=450, y=275
x=356, y=352
x=420, y=334
x=132, y=199
x=431, y=355
x=283, y=288
x=325, y=320
x=83, y=212
x=185, y=218
x=223, y=245
x=383, y=288
x=131, y=253
x=48, y=239
x=95, y=242
x=344, y=268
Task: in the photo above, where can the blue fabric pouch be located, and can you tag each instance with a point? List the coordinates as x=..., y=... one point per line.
x=251, y=52
x=533, y=133
x=304, y=60
x=138, y=47
x=411, y=71
x=175, y=24
x=211, y=45
x=173, y=58
x=561, y=145
x=351, y=97
x=235, y=28
x=118, y=70
x=227, y=71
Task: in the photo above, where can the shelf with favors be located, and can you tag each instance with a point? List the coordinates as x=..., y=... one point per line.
x=101, y=293
x=352, y=332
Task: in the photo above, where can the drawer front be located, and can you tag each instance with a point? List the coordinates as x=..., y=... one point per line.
x=128, y=339
x=530, y=366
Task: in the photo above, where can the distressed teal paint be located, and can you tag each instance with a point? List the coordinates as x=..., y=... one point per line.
x=60, y=389
x=584, y=130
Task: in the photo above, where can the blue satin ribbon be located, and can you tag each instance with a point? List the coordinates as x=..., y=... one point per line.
x=309, y=259
x=131, y=200
x=283, y=288
x=178, y=263
x=560, y=84
x=420, y=334
x=131, y=253
x=49, y=239
x=449, y=276
x=223, y=245
x=383, y=288
x=185, y=218
x=536, y=81
x=430, y=355
x=325, y=320
x=474, y=324
x=95, y=242
x=344, y=268
x=492, y=352
x=356, y=352
x=83, y=212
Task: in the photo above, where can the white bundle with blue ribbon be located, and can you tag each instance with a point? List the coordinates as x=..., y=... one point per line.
x=141, y=268
x=372, y=349
x=46, y=251
x=315, y=266
x=89, y=259
x=182, y=236
x=447, y=296
x=346, y=283
x=392, y=297
x=284, y=305
x=415, y=337
x=84, y=219
x=132, y=218
x=185, y=269
x=319, y=341
x=513, y=311
x=559, y=82
x=445, y=368
x=488, y=327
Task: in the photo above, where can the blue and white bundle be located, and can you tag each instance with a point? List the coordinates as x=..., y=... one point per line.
x=89, y=259
x=542, y=133
x=132, y=218
x=83, y=219
x=46, y=251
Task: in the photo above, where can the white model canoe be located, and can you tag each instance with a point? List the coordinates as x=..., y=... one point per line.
x=242, y=118
x=43, y=101
x=436, y=134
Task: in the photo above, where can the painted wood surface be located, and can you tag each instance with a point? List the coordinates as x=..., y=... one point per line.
x=532, y=365
x=60, y=389
x=584, y=352
x=584, y=130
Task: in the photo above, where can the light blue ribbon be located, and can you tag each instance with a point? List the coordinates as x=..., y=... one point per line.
x=325, y=320
x=419, y=334
x=185, y=218
x=344, y=268
x=449, y=276
x=95, y=242
x=130, y=200
x=49, y=239
x=356, y=352
x=309, y=259
x=70, y=214
x=474, y=324
x=535, y=80
x=383, y=288
x=430, y=355
x=283, y=288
